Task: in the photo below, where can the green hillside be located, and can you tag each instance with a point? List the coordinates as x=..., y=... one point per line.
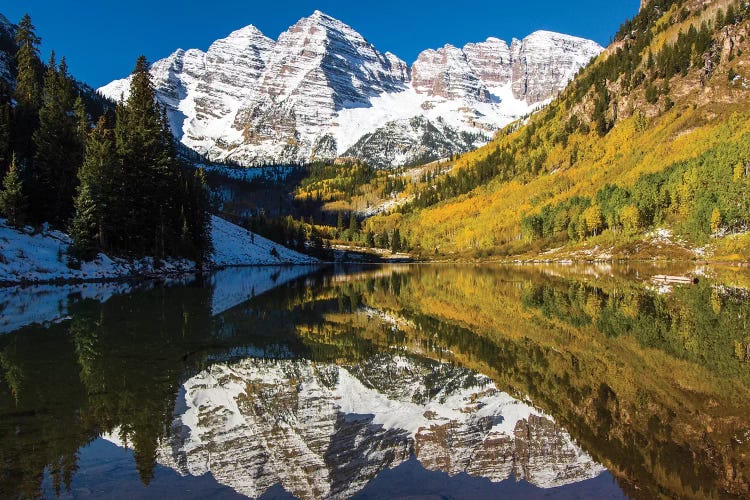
x=653, y=134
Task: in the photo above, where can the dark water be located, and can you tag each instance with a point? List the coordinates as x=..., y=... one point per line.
x=379, y=382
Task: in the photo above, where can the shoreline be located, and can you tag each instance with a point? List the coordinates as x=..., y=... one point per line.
x=143, y=277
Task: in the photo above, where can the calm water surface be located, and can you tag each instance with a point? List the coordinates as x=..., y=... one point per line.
x=378, y=382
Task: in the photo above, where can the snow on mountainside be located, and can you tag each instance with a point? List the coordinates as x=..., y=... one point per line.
x=26, y=256
x=324, y=431
x=413, y=141
x=321, y=87
x=7, y=34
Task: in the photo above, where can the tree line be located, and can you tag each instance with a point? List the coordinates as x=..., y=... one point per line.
x=117, y=187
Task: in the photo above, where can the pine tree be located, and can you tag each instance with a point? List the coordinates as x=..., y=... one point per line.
x=13, y=203
x=396, y=241
x=82, y=123
x=6, y=127
x=340, y=224
x=46, y=153
x=65, y=85
x=57, y=150
x=86, y=229
x=150, y=172
x=98, y=213
x=134, y=197
x=28, y=94
x=196, y=218
x=384, y=240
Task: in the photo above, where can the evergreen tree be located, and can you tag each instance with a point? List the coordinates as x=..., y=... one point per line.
x=134, y=197
x=396, y=241
x=87, y=227
x=144, y=145
x=65, y=85
x=196, y=217
x=162, y=209
x=57, y=150
x=6, y=127
x=28, y=94
x=98, y=213
x=384, y=240
x=82, y=124
x=340, y=223
x=12, y=200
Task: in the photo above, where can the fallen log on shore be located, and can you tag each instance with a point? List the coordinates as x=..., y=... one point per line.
x=685, y=280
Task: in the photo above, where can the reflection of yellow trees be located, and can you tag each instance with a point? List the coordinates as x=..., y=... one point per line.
x=12, y=372
x=655, y=387
x=716, y=301
x=631, y=397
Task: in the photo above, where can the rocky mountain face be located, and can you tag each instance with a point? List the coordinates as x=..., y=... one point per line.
x=324, y=431
x=7, y=49
x=543, y=63
x=413, y=141
x=321, y=88
x=536, y=68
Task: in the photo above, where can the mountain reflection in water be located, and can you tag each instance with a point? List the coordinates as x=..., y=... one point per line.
x=458, y=381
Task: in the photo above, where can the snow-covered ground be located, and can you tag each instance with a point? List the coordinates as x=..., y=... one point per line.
x=26, y=256
x=29, y=257
x=236, y=246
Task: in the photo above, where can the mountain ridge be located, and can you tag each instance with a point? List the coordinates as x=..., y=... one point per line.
x=318, y=89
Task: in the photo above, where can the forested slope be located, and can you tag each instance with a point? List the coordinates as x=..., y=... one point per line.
x=652, y=134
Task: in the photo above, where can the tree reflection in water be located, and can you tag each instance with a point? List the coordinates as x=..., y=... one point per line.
x=652, y=385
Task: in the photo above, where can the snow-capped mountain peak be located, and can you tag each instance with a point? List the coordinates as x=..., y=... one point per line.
x=322, y=87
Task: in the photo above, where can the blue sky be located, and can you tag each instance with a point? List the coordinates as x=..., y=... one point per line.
x=102, y=39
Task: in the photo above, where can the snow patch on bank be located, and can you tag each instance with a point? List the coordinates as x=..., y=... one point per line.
x=236, y=246
x=27, y=256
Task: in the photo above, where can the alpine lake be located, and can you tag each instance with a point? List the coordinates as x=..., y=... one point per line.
x=438, y=381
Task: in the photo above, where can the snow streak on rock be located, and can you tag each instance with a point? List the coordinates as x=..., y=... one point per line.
x=321, y=87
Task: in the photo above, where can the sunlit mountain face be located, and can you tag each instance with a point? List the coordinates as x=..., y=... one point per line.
x=322, y=91
x=422, y=380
